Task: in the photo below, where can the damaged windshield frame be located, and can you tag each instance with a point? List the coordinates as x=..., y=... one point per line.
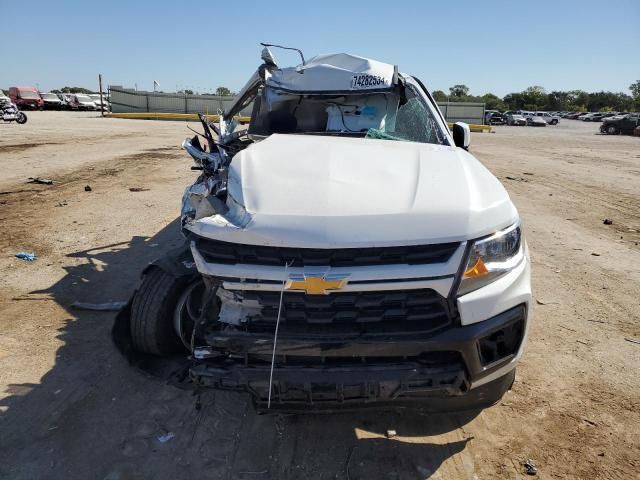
x=430, y=128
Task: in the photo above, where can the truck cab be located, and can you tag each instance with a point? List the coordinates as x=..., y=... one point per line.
x=26, y=97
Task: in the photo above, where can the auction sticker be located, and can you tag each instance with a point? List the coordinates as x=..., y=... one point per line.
x=364, y=80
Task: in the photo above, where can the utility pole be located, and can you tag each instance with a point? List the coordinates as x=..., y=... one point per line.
x=101, y=102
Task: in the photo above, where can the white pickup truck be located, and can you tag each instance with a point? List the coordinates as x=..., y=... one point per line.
x=546, y=116
x=345, y=249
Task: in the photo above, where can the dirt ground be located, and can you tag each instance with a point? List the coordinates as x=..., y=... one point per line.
x=71, y=407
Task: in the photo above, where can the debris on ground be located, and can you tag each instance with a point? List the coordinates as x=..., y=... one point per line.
x=595, y=254
x=530, y=467
x=138, y=189
x=29, y=257
x=103, y=307
x=87, y=188
x=632, y=340
x=540, y=302
x=608, y=221
x=517, y=179
x=391, y=433
x=166, y=437
x=43, y=181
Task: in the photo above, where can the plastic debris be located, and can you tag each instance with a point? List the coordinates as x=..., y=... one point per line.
x=87, y=188
x=104, y=307
x=43, y=181
x=29, y=257
x=608, y=221
x=530, y=468
x=166, y=437
x=391, y=433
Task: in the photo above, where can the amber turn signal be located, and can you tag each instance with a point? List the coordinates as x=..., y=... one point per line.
x=479, y=269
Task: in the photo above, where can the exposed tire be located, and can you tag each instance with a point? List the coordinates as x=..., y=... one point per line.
x=612, y=129
x=152, y=313
x=22, y=118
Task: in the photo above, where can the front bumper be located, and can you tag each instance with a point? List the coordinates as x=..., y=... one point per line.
x=462, y=367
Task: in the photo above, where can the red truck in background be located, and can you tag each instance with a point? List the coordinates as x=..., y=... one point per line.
x=26, y=97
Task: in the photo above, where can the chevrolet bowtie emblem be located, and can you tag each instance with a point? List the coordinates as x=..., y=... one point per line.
x=316, y=284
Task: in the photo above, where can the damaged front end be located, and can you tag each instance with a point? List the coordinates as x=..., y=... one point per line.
x=351, y=349
x=303, y=280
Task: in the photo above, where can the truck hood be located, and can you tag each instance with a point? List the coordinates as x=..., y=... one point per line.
x=328, y=192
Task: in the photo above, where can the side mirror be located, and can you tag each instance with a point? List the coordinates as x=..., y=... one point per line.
x=461, y=135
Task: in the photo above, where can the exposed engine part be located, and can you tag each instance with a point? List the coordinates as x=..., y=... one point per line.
x=234, y=309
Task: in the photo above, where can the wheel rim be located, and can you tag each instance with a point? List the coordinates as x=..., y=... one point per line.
x=611, y=129
x=187, y=311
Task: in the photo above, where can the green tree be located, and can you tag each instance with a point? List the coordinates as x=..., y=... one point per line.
x=635, y=93
x=513, y=101
x=534, y=98
x=223, y=91
x=491, y=101
x=76, y=90
x=439, y=96
x=459, y=92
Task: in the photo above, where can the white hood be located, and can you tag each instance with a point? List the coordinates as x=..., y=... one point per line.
x=327, y=192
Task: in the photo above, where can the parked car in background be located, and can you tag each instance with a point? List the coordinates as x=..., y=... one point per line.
x=536, y=121
x=487, y=115
x=26, y=97
x=496, y=118
x=624, y=124
x=96, y=99
x=65, y=98
x=51, y=101
x=594, y=117
x=617, y=116
x=517, y=120
x=575, y=115
x=3, y=97
x=80, y=101
x=547, y=117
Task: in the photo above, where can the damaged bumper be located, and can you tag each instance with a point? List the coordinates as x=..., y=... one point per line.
x=442, y=371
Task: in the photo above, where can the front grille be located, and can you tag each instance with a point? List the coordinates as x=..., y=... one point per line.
x=350, y=313
x=426, y=359
x=215, y=251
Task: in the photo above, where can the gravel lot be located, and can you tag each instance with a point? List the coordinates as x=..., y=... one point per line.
x=71, y=407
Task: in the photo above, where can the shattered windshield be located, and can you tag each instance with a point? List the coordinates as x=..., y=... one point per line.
x=28, y=94
x=412, y=122
x=400, y=115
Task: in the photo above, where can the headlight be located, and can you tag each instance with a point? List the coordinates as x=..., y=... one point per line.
x=491, y=257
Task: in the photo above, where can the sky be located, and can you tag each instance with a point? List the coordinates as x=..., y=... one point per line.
x=490, y=46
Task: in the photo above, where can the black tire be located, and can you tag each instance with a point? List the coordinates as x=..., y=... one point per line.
x=554, y=122
x=611, y=130
x=22, y=118
x=152, y=313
